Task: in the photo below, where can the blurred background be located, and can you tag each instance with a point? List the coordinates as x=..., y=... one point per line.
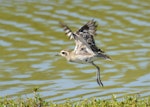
x=30, y=36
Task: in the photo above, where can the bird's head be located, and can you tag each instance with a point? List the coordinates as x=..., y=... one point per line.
x=66, y=54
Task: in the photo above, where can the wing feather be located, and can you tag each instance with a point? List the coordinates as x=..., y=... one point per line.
x=84, y=38
x=80, y=47
x=68, y=31
x=87, y=32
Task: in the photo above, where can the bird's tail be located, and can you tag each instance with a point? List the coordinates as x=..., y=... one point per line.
x=68, y=31
x=107, y=58
x=102, y=55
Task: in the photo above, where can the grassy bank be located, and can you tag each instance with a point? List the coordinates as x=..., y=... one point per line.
x=37, y=101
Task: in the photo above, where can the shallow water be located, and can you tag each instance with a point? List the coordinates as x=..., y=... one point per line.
x=30, y=36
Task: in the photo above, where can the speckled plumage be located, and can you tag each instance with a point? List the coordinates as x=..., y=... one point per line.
x=85, y=50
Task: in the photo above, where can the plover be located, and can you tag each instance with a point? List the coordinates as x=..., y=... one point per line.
x=85, y=50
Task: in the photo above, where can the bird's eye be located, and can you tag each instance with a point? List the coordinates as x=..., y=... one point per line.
x=63, y=53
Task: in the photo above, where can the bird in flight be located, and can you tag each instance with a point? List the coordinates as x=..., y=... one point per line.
x=85, y=50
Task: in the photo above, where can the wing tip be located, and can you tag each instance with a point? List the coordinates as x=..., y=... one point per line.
x=67, y=30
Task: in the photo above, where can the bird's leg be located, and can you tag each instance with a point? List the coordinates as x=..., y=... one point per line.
x=98, y=74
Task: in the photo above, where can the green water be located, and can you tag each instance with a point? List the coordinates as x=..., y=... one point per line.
x=30, y=36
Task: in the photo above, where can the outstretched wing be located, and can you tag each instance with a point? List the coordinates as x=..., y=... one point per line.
x=90, y=27
x=86, y=34
x=80, y=47
x=84, y=38
x=68, y=31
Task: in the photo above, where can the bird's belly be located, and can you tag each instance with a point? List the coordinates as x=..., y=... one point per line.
x=84, y=60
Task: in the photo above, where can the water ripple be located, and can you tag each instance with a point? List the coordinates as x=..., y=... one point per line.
x=31, y=36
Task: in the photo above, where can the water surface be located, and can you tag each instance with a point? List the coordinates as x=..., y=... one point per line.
x=30, y=36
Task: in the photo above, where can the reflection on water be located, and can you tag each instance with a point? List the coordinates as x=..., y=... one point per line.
x=31, y=37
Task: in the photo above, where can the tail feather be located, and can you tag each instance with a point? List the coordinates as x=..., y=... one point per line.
x=102, y=55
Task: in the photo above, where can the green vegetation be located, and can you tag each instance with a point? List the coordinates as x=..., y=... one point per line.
x=37, y=101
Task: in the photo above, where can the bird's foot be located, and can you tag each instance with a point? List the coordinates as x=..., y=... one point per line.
x=99, y=82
